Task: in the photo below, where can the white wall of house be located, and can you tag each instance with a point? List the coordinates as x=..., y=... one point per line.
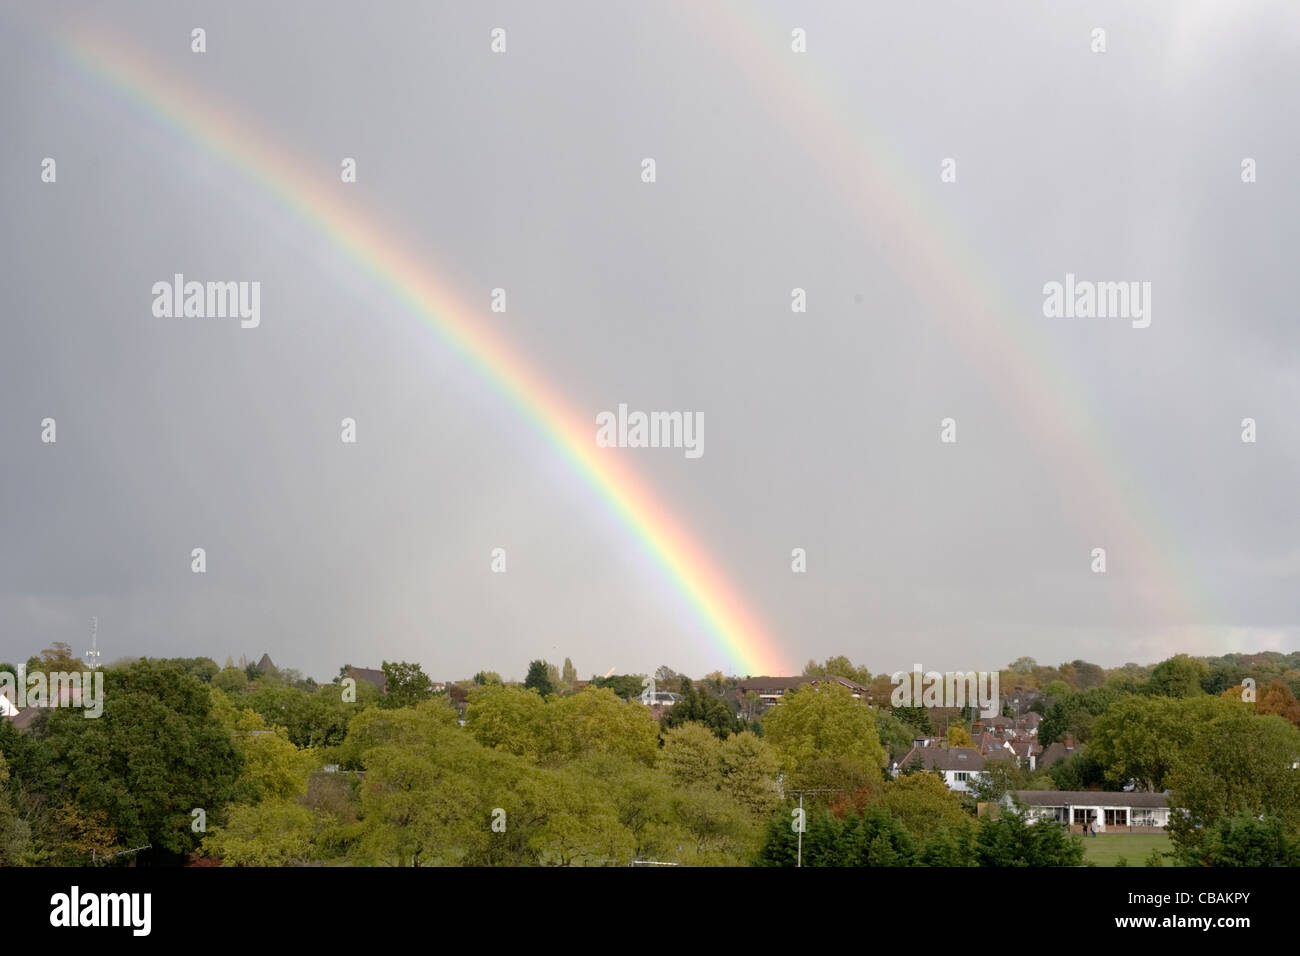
x=961, y=780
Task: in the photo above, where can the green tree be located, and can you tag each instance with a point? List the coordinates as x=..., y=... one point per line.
x=923, y=805
x=1236, y=763
x=510, y=719
x=157, y=752
x=595, y=721
x=1139, y=739
x=626, y=686
x=691, y=756
x=820, y=724
x=14, y=830
x=1010, y=841
x=1239, y=840
x=1179, y=676
x=276, y=832
x=702, y=708
x=406, y=684
x=1000, y=777
x=232, y=680
x=1079, y=771
x=539, y=678
x=917, y=718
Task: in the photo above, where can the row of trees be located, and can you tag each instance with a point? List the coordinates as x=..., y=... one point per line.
x=181, y=764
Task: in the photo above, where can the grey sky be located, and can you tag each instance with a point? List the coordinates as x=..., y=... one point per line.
x=522, y=171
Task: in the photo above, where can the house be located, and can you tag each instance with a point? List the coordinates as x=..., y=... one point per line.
x=1057, y=751
x=772, y=689
x=1080, y=809
x=377, y=679
x=960, y=766
x=265, y=665
x=1024, y=750
x=662, y=698
x=19, y=717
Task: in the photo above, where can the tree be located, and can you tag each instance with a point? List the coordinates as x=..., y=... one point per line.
x=918, y=718
x=691, y=756
x=1075, y=714
x=1221, y=676
x=1010, y=841
x=838, y=666
x=57, y=657
x=1079, y=771
x=1081, y=675
x=923, y=805
x=1057, y=690
x=14, y=830
x=626, y=686
x=1022, y=665
x=569, y=675
x=539, y=678
x=869, y=838
x=511, y=720
x=702, y=708
x=824, y=723
x=157, y=752
x=1236, y=763
x=1139, y=739
x=595, y=721
x=272, y=766
x=405, y=685
x=1179, y=676
x=232, y=680
x=273, y=833
x=748, y=766
x=667, y=679
x=1242, y=839
x=1278, y=699
x=959, y=736
x=999, y=778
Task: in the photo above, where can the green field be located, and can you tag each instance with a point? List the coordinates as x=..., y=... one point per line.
x=1105, y=849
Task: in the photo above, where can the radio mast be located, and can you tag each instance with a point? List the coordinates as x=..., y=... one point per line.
x=92, y=655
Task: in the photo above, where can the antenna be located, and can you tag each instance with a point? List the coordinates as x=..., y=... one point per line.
x=92, y=655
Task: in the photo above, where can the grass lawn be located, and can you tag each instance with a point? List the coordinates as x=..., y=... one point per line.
x=1105, y=849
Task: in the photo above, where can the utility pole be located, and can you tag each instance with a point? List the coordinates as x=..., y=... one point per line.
x=799, y=861
x=92, y=655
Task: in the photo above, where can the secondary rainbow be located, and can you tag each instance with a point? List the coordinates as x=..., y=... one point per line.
x=381, y=253
x=941, y=262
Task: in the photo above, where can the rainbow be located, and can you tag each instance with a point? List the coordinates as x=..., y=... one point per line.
x=168, y=98
x=1027, y=372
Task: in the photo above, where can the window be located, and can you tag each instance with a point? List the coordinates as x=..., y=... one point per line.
x=961, y=776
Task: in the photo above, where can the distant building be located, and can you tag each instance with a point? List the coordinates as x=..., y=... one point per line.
x=772, y=689
x=1056, y=752
x=377, y=679
x=1082, y=809
x=960, y=766
x=265, y=665
x=662, y=698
